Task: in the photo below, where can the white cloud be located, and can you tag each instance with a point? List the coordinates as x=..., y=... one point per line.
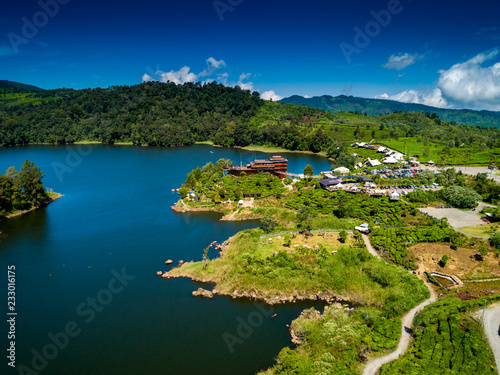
x=401, y=61
x=179, y=77
x=306, y=96
x=470, y=84
x=433, y=98
x=214, y=70
x=222, y=78
x=213, y=65
x=147, y=78
x=465, y=85
x=245, y=85
x=271, y=95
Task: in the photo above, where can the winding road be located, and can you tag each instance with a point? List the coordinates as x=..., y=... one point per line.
x=374, y=365
x=492, y=329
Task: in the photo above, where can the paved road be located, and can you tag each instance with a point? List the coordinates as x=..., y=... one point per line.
x=492, y=329
x=369, y=246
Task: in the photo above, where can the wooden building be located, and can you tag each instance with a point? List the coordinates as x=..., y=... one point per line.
x=276, y=165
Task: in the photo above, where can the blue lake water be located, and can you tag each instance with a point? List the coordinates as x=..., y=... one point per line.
x=116, y=217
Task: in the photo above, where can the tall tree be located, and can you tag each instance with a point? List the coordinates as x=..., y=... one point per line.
x=30, y=179
x=308, y=170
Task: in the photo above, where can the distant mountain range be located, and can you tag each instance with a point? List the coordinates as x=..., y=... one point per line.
x=372, y=107
x=17, y=85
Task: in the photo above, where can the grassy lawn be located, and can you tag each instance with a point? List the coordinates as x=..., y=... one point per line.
x=483, y=230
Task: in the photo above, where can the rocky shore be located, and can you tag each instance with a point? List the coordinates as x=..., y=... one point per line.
x=270, y=298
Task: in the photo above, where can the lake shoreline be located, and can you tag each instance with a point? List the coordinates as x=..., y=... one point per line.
x=55, y=197
x=265, y=149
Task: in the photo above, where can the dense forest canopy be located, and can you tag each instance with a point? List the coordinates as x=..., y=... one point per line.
x=166, y=114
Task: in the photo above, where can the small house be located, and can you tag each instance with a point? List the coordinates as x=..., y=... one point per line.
x=327, y=182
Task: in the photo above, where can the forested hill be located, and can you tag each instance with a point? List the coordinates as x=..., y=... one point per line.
x=373, y=107
x=154, y=113
x=166, y=114
x=16, y=85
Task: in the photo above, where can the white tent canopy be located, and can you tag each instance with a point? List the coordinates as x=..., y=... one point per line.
x=390, y=160
x=430, y=162
x=341, y=170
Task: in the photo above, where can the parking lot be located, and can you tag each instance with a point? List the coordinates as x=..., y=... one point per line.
x=457, y=218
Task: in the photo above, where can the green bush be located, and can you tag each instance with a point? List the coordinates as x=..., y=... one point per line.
x=461, y=197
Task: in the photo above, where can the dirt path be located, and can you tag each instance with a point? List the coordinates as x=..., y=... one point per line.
x=373, y=366
x=369, y=246
x=492, y=329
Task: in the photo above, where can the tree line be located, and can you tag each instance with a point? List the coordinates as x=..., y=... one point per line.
x=166, y=114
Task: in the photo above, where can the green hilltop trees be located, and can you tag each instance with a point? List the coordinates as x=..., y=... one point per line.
x=23, y=189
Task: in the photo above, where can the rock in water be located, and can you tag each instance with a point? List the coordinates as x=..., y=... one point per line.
x=203, y=293
x=169, y=262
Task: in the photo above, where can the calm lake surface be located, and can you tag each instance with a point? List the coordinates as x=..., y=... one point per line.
x=116, y=215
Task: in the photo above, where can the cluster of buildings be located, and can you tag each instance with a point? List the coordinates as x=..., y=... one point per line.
x=357, y=184
x=392, y=157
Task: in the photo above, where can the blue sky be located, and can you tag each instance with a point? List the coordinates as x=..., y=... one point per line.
x=439, y=53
